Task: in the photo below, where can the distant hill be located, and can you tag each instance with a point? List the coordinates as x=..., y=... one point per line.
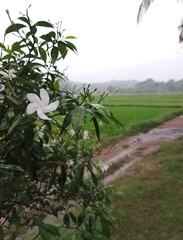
x=129, y=86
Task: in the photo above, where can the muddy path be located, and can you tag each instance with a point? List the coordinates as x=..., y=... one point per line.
x=126, y=152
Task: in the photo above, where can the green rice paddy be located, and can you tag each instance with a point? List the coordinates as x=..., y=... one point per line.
x=139, y=113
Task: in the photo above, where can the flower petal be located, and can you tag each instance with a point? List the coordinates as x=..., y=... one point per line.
x=4, y=75
x=44, y=97
x=51, y=107
x=12, y=73
x=2, y=87
x=34, y=98
x=42, y=115
x=32, y=107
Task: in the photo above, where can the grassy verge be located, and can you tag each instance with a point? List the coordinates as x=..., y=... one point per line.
x=150, y=204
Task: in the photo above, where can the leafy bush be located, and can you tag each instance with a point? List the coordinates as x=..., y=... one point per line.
x=46, y=165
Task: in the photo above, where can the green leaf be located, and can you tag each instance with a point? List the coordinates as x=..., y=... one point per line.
x=12, y=99
x=58, y=209
x=43, y=54
x=73, y=217
x=11, y=167
x=66, y=221
x=35, y=65
x=2, y=45
x=54, y=54
x=67, y=121
x=105, y=226
x=78, y=119
x=92, y=223
x=90, y=97
x=24, y=19
x=63, y=177
x=94, y=178
x=8, y=56
x=43, y=233
x=46, y=37
x=116, y=121
x=52, y=34
x=29, y=56
x=49, y=229
x=62, y=49
x=103, y=110
x=70, y=37
x=15, y=123
x=81, y=217
x=24, y=199
x=56, y=85
x=97, y=106
x=43, y=24
x=90, y=165
x=101, y=117
x=33, y=30
x=71, y=46
x=29, y=133
x=7, y=50
x=14, y=28
x=16, y=47
x=97, y=130
x=77, y=181
x=38, y=220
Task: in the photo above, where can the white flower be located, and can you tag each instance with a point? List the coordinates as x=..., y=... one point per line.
x=70, y=163
x=48, y=146
x=100, y=124
x=41, y=104
x=11, y=73
x=53, y=142
x=71, y=132
x=40, y=131
x=104, y=168
x=85, y=135
x=2, y=87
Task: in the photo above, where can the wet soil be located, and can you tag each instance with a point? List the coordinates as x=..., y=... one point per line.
x=126, y=152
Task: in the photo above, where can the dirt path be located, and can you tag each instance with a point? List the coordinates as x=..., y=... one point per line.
x=128, y=151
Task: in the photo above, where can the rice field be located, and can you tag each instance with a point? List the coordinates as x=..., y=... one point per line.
x=138, y=113
x=153, y=100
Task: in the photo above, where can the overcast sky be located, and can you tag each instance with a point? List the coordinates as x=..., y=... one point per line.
x=111, y=45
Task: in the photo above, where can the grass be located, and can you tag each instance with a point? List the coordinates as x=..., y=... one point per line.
x=150, y=204
x=145, y=100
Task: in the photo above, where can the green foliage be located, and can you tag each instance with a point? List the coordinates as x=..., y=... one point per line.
x=45, y=158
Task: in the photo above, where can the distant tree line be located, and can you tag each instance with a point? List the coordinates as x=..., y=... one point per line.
x=151, y=86
x=131, y=86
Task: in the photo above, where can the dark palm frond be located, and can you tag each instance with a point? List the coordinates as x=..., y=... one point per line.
x=145, y=4
x=180, y=28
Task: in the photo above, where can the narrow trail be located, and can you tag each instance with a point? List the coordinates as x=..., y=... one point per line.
x=126, y=152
